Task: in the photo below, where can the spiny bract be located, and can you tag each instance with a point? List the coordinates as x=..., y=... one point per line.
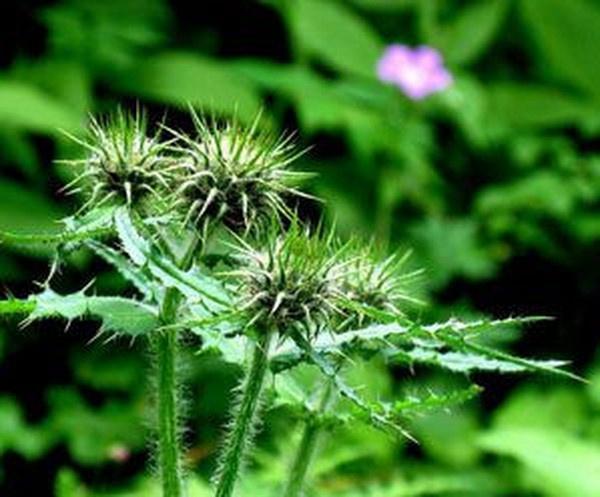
x=294, y=280
x=124, y=165
x=238, y=175
x=372, y=285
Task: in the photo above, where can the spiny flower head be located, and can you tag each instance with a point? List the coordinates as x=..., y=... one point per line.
x=372, y=285
x=124, y=165
x=293, y=281
x=235, y=174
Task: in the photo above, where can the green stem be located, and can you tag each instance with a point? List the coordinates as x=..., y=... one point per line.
x=169, y=446
x=168, y=415
x=307, y=449
x=241, y=433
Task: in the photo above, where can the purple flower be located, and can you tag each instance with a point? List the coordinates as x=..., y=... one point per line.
x=418, y=71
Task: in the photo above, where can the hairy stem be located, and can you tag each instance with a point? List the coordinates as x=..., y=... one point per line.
x=241, y=433
x=169, y=446
x=307, y=449
x=169, y=408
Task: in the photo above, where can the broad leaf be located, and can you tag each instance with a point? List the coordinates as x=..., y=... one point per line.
x=568, y=35
x=559, y=464
x=179, y=78
x=336, y=35
x=538, y=106
x=468, y=36
x=24, y=106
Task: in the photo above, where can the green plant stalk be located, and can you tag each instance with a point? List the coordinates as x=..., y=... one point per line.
x=241, y=433
x=169, y=408
x=308, y=448
x=169, y=446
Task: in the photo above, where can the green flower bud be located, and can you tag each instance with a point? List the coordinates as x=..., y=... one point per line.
x=237, y=175
x=292, y=281
x=124, y=165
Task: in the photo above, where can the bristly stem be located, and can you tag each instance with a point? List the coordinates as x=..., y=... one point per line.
x=241, y=432
x=169, y=445
x=308, y=447
x=169, y=404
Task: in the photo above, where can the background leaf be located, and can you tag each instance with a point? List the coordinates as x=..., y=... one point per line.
x=180, y=78
x=467, y=37
x=559, y=464
x=567, y=33
x=24, y=106
x=335, y=35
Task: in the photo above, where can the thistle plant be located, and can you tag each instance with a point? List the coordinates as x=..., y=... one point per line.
x=288, y=294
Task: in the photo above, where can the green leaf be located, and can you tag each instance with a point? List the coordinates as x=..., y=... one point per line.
x=117, y=314
x=334, y=34
x=23, y=106
x=460, y=362
x=92, y=433
x=460, y=344
x=558, y=464
x=65, y=79
x=532, y=106
x=450, y=248
x=133, y=274
x=79, y=234
x=193, y=284
x=478, y=326
x=231, y=349
x=568, y=35
x=22, y=210
x=562, y=407
x=468, y=36
x=373, y=414
x=180, y=79
x=15, y=435
x=379, y=337
x=541, y=192
x=416, y=405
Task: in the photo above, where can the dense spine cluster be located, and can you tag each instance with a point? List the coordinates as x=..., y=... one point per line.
x=236, y=175
x=124, y=165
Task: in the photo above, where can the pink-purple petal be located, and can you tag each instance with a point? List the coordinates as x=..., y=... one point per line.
x=418, y=72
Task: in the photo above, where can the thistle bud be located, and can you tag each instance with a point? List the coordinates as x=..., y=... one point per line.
x=236, y=175
x=292, y=281
x=125, y=165
x=373, y=286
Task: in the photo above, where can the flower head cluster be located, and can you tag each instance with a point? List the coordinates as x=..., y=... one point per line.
x=124, y=164
x=418, y=72
x=238, y=175
x=294, y=280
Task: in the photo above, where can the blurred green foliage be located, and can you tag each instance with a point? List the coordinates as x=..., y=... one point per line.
x=494, y=183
